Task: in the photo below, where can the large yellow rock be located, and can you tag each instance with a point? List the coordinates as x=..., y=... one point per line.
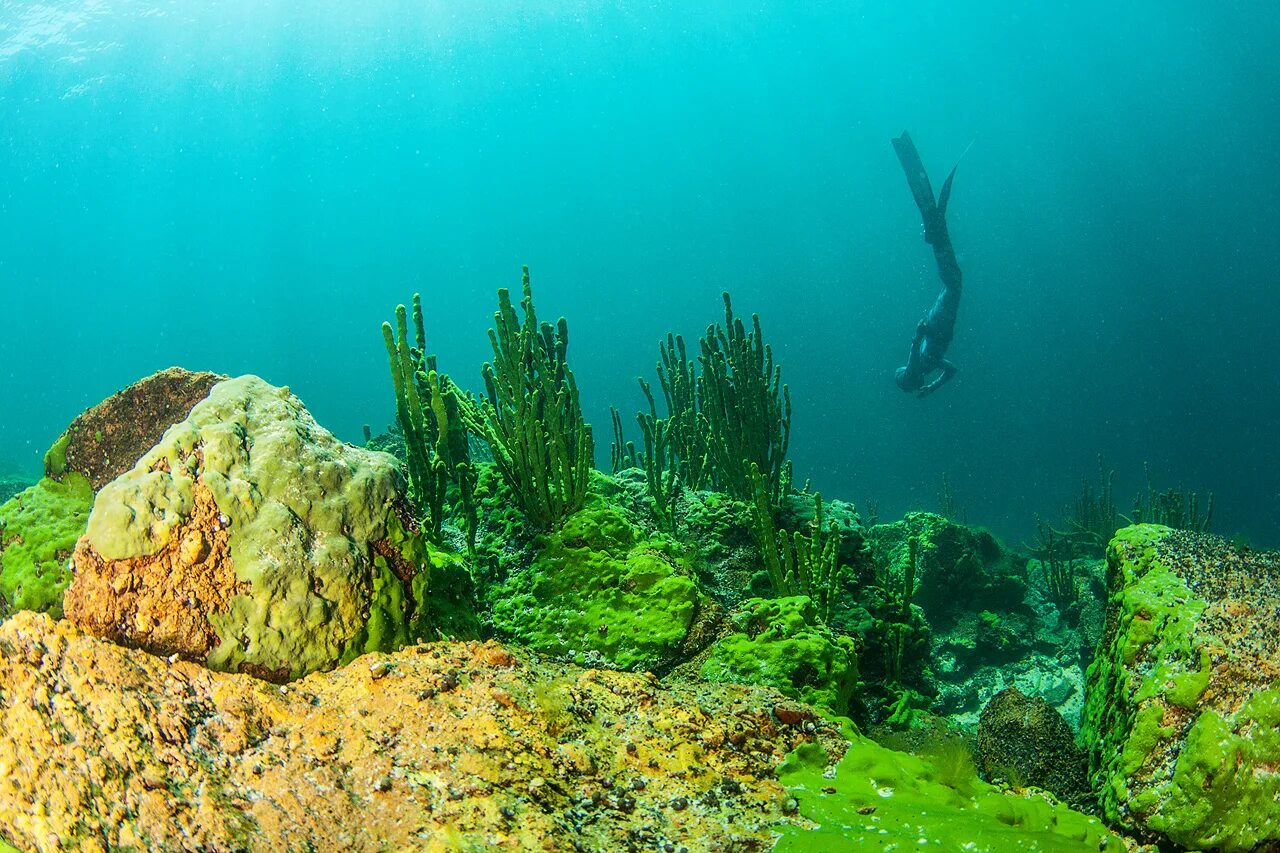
x=445, y=746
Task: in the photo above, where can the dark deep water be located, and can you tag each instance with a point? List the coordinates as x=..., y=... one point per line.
x=243, y=187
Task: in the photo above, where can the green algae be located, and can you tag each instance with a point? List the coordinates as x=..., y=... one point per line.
x=1152, y=659
x=782, y=642
x=960, y=569
x=1143, y=705
x=1224, y=791
x=880, y=799
x=38, y=531
x=55, y=458
x=596, y=587
x=446, y=606
x=386, y=628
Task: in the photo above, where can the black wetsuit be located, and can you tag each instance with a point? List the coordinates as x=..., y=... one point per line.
x=935, y=329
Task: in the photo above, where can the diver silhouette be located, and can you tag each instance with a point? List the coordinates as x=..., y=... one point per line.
x=935, y=329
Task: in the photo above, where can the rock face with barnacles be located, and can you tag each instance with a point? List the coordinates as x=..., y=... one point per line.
x=252, y=540
x=1182, y=714
x=447, y=746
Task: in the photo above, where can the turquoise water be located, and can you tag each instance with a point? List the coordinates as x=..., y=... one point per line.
x=252, y=186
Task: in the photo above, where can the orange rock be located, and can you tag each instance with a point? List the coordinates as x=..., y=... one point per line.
x=112, y=744
x=161, y=602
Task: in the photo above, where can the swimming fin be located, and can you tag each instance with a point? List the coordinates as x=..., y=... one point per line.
x=917, y=177
x=945, y=195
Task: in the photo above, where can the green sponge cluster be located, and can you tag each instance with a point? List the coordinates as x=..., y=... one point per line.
x=38, y=530
x=597, y=588
x=782, y=642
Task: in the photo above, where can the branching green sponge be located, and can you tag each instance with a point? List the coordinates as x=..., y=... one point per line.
x=599, y=593
x=878, y=799
x=38, y=529
x=531, y=418
x=782, y=642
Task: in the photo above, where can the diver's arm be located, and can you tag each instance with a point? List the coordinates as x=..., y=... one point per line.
x=948, y=371
x=916, y=343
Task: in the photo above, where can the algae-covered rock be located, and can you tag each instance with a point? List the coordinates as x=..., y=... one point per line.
x=1026, y=643
x=450, y=601
x=963, y=693
x=783, y=643
x=597, y=592
x=878, y=799
x=796, y=512
x=1024, y=742
x=40, y=523
x=1182, y=714
x=726, y=559
x=961, y=569
x=105, y=441
x=442, y=747
x=39, y=527
x=252, y=540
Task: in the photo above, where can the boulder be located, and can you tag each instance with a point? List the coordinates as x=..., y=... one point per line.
x=105, y=441
x=783, y=643
x=40, y=523
x=1024, y=742
x=1182, y=710
x=961, y=570
x=250, y=539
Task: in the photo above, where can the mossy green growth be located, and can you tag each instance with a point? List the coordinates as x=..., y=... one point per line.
x=879, y=799
x=782, y=642
x=502, y=530
x=960, y=569
x=38, y=530
x=55, y=458
x=447, y=605
x=596, y=589
x=1219, y=798
x=1150, y=660
x=385, y=629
